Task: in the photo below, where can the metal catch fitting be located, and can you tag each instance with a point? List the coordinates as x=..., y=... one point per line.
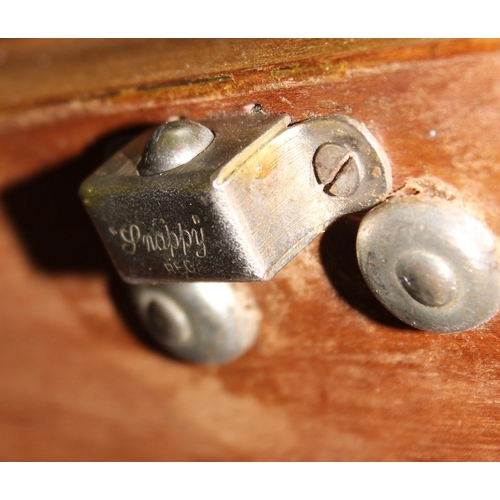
x=234, y=199
x=231, y=199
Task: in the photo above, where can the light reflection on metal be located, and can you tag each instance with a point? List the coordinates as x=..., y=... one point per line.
x=174, y=144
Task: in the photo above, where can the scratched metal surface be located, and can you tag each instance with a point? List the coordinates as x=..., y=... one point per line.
x=220, y=217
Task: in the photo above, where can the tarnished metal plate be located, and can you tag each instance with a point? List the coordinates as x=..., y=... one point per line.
x=240, y=210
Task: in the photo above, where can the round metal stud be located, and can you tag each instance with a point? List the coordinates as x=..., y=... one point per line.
x=209, y=323
x=174, y=144
x=430, y=263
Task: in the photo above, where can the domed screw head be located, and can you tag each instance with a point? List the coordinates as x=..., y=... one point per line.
x=427, y=278
x=208, y=323
x=167, y=319
x=431, y=263
x=174, y=144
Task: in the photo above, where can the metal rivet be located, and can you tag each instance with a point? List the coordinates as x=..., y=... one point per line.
x=168, y=320
x=427, y=278
x=174, y=144
x=337, y=168
x=209, y=323
x=431, y=263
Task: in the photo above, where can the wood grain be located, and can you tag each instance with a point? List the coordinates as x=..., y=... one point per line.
x=333, y=375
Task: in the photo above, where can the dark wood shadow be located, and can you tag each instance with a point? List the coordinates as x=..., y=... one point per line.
x=338, y=256
x=49, y=217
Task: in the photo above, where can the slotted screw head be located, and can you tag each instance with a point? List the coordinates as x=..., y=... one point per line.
x=336, y=167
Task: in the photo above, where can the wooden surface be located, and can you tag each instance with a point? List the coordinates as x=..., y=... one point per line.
x=333, y=376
